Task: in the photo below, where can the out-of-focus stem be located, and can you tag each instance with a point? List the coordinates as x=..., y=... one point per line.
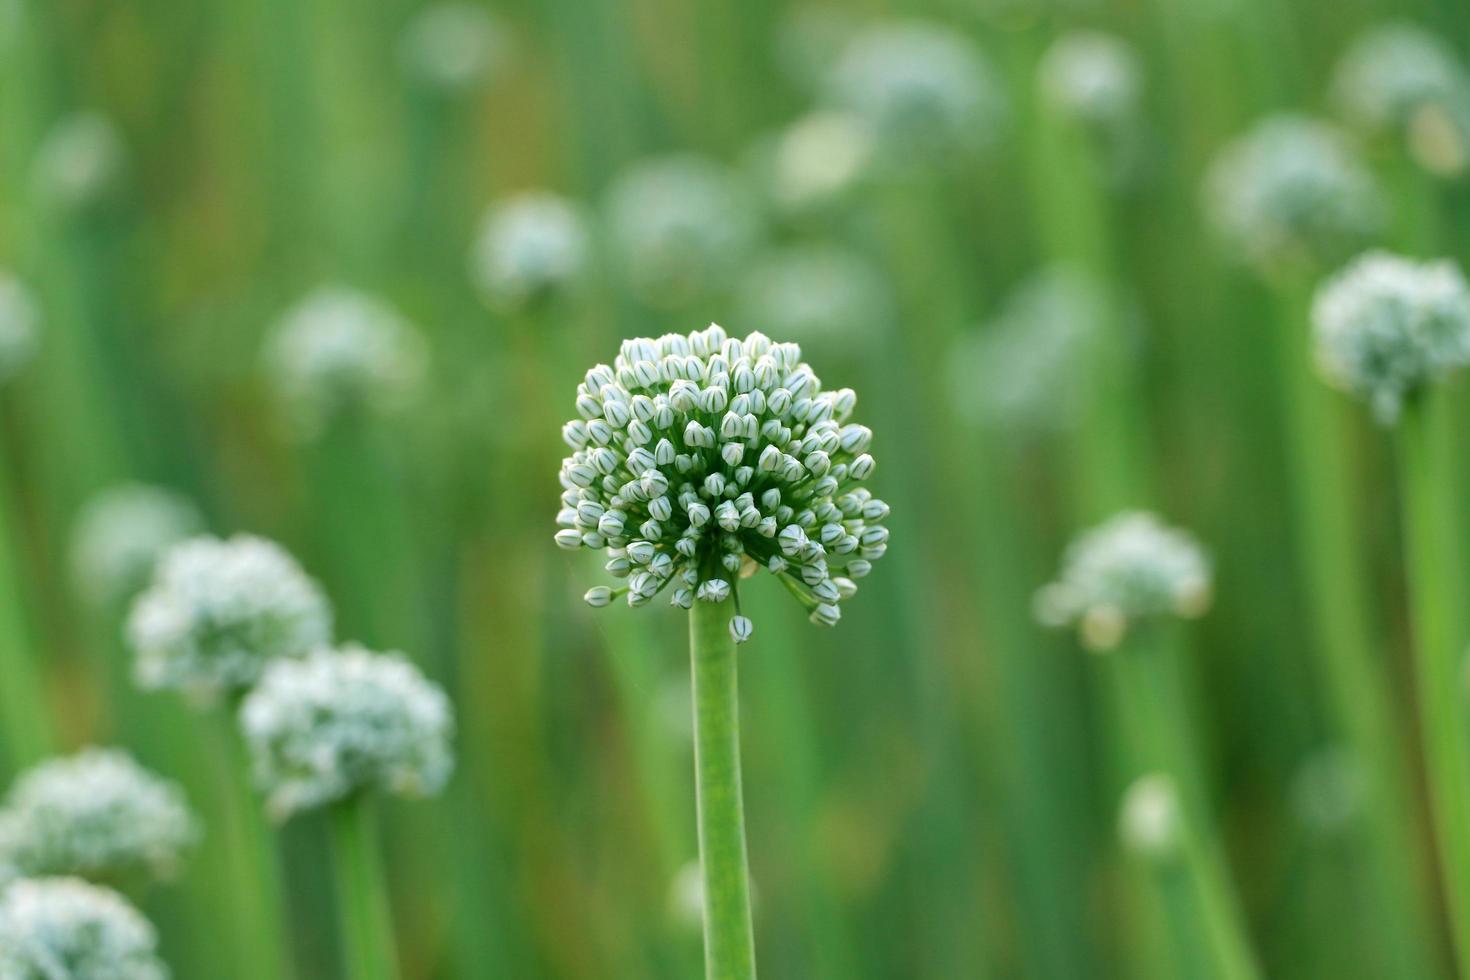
x=362, y=895
x=1437, y=601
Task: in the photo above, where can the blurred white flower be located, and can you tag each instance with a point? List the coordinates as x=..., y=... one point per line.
x=928, y=95
x=824, y=296
x=1128, y=568
x=452, y=47
x=699, y=459
x=1385, y=326
x=20, y=320
x=679, y=227
x=67, y=929
x=1291, y=191
x=817, y=160
x=1092, y=77
x=120, y=534
x=531, y=247
x=345, y=721
x=94, y=814
x=1399, y=78
x=79, y=160
x=339, y=350
x=1149, y=817
x=218, y=612
x=1019, y=373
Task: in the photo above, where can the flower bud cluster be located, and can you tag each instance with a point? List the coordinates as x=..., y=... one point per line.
x=1128, y=568
x=66, y=928
x=94, y=814
x=699, y=459
x=1385, y=326
x=533, y=246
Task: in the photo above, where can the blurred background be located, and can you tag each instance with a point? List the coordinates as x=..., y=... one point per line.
x=330, y=273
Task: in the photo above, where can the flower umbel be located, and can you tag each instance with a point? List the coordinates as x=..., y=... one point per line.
x=699, y=459
x=66, y=928
x=1128, y=568
x=96, y=813
x=1386, y=326
x=219, y=611
x=120, y=534
x=530, y=247
x=342, y=721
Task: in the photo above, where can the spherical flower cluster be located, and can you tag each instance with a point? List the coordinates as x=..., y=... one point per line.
x=680, y=226
x=823, y=296
x=67, y=929
x=1018, y=374
x=339, y=722
x=1291, y=191
x=817, y=161
x=1401, y=78
x=699, y=459
x=531, y=247
x=19, y=321
x=120, y=534
x=218, y=612
x=451, y=47
x=338, y=350
x=94, y=814
x=1128, y=568
x=1149, y=818
x=1386, y=326
x=928, y=95
x=1092, y=77
x=79, y=160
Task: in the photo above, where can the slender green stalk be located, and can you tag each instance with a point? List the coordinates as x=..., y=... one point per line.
x=362, y=893
x=25, y=726
x=1437, y=601
x=729, y=940
x=255, y=864
x=1159, y=743
x=1331, y=564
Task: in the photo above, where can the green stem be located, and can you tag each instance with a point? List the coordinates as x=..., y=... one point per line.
x=25, y=725
x=1331, y=565
x=1437, y=594
x=1160, y=740
x=729, y=940
x=255, y=864
x=362, y=893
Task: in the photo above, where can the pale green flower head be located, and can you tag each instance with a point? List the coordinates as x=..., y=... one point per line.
x=699, y=459
x=1291, y=192
x=20, y=321
x=1385, y=326
x=680, y=227
x=530, y=248
x=1092, y=77
x=338, y=351
x=79, y=161
x=1018, y=374
x=120, y=534
x=346, y=721
x=817, y=162
x=67, y=929
x=826, y=297
x=928, y=95
x=95, y=814
x=1399, y=79
x=452, y=47
x=1128, y=569
x=218, y=611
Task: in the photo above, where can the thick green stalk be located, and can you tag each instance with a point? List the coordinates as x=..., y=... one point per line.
x=1160, y=743
x=1437, y=601
x=255, y=864
x=1326, y=524
x=729, y=940
x=362, y=893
